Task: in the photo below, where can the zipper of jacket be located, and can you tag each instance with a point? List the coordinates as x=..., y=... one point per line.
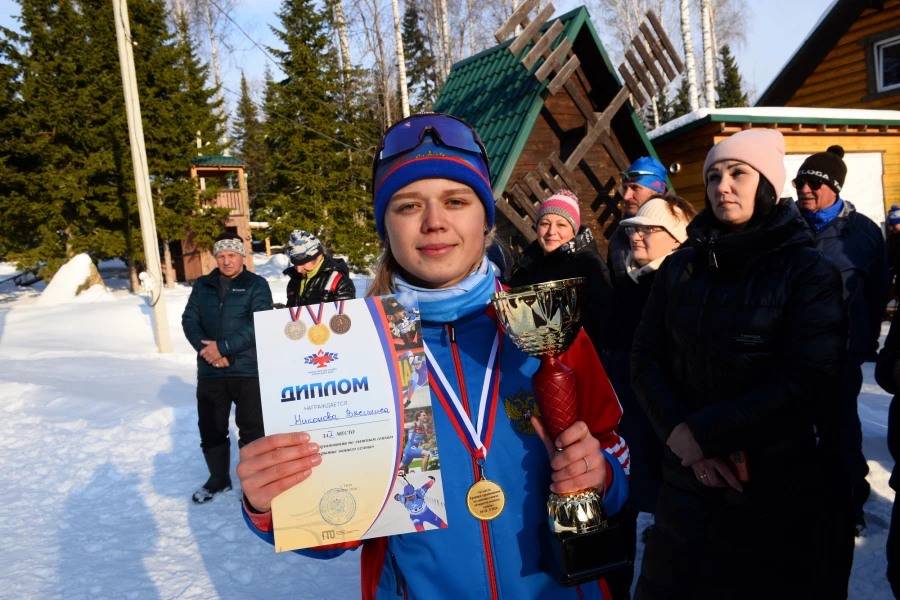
x=221, y=304
x=401, y=581
x=464, y=398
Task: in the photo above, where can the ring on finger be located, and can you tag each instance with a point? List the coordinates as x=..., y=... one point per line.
x=704, y=476
x=587, y=465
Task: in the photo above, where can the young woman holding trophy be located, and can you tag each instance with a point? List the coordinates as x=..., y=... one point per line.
x=434, y=209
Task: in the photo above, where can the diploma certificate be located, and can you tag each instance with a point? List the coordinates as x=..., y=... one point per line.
x=352, y=375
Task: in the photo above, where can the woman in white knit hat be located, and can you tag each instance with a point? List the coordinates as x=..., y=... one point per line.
x=658, y=229
x=564, y=248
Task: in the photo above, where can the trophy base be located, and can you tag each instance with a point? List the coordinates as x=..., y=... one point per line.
x=576, y=558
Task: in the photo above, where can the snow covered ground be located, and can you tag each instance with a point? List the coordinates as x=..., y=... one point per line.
x=99, y=452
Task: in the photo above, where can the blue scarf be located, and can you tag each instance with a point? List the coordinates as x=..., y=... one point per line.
x=445, y=305
x=820, y=218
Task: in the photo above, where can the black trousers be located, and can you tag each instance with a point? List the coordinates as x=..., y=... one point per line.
x=851, y=438
x=214, y=399
x=893, y=551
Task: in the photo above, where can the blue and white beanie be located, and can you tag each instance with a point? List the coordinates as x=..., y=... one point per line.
x=893, y=216
x=303, y=247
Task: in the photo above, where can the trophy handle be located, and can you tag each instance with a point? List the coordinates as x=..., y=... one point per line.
x=554, y=389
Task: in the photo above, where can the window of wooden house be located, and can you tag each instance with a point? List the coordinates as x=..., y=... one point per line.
x=887, y=64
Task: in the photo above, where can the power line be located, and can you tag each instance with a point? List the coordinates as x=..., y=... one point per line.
x=275, y=63
x=246, y=35
x=296, y=122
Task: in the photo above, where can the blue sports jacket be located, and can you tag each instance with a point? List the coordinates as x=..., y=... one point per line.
x=498, y=558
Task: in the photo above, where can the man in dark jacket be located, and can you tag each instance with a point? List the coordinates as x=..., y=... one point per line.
x=315, y=277
x=855, y=243
x=887, y=373
x=893, y=244
x=218, y=322
x=643, y=180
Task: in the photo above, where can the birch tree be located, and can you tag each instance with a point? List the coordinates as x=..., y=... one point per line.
x=471, y=14
x=690, y=67
x=401, y=61
x=708, y=65
x=341, y=26
x=445, y=34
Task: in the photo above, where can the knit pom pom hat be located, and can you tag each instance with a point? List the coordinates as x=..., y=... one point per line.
x=828, y=167
x=565, y=204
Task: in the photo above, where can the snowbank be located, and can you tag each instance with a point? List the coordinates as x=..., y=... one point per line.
x=65, y=285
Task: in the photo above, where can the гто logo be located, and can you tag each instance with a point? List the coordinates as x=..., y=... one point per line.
x=321, y=358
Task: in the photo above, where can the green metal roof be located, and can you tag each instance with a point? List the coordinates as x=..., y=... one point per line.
x=501, y=99
x=217, y=161
x=494, y=93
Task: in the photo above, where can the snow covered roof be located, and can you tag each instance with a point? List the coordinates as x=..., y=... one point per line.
x=775, y=114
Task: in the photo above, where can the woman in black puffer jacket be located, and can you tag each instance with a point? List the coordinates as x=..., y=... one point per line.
x=738, y=351
x=562, y=250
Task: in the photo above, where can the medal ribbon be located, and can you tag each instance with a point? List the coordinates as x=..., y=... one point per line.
x=295, y=313
x=315, y=319
x=476, y=437
x=339, y=305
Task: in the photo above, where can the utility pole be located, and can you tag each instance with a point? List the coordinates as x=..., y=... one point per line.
x=141, y=176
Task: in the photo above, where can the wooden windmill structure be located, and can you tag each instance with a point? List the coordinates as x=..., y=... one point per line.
x=580, y=130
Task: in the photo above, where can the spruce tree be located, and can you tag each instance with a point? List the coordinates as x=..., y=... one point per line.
x=317, y=162
x=250, y=138
x=14, y=209
x=48, y=164
x=664, y=107
x=420, y=63
x=729, y=89
x=70, y=184
x=682, y=104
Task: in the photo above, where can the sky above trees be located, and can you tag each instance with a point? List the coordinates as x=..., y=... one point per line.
x=775, y=30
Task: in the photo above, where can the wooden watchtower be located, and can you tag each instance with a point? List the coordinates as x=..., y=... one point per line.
x=553, y=113
x=228, y=174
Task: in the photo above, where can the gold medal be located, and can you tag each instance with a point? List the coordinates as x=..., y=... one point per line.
x=319, y=334
x=295, y=330
x=485, y=500
x=340, y=324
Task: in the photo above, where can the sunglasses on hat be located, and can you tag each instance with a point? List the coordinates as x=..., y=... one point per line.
x=814, y=184
x=407, y=134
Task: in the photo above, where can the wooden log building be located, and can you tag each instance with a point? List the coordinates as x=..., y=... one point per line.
x=870, y=138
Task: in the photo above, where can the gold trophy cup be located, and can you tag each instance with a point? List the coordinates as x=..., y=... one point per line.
x=543, y=320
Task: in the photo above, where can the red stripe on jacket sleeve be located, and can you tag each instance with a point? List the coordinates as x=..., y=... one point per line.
x=371, y=566
x=262, y=521
x=598, y=405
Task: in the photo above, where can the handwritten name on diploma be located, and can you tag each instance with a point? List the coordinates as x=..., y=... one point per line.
x=350, y=414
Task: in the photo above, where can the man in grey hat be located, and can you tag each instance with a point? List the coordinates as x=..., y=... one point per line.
x=218, y=322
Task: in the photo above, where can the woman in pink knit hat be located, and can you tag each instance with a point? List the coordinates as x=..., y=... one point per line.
x=563, y=249
x=735, y=364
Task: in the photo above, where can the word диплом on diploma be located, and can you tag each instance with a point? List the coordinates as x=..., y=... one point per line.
x=363, y=396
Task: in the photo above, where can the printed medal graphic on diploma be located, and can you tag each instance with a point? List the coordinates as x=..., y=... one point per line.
x=363, y=396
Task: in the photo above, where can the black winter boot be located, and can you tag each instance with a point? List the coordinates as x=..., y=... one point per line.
x=218, y=460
